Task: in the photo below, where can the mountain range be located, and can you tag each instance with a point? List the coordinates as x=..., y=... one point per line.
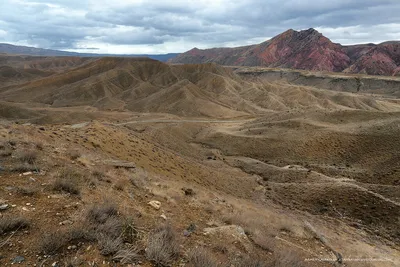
x=307, y=50
x=32, y=51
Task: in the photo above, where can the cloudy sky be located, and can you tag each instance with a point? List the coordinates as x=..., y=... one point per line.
x=162, y=26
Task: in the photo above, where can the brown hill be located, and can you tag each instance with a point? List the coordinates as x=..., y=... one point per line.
x=307, y=50
x=146, y=85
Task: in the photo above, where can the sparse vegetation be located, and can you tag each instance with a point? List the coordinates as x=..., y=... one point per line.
x=24, y=167
x=68, y=181
x=26, y=191
x=127, y=256
x=254, y=262
x=52, y=242
x=162, y=246
x=9, y=223
x=28, y=156
x=99, y=214
x=285, y=258
x=199, y=257
x=73, y=154
x=66, y=186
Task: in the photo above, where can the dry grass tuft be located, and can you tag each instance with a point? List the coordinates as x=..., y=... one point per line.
x=28, y=156
x=287, y=257
x=24, y=167
x=109, y=245
x=127, y=256
x=200, y=257
x=68, y=181
x=8, y=224
x=26, y=191
x=63, y=185
x=51, y=243
x=255, y=262
x=162, y=246
x=99, y=214
x=264, y=240
x=73, y=154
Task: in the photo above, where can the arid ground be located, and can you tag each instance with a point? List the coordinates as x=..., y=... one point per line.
x=132, y=161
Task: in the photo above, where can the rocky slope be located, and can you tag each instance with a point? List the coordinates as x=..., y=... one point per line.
x=308, y=50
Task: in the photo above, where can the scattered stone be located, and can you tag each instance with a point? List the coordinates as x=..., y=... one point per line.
x=4, y=206
x=24, y=209
x=188, y=191
x=27, y=173
x=55, y=264
x=66, y=222
x=18, y=259
x=72, y=247
x=42, y=129
x=191, y=228
x=155, y=204
x=186, y=233
x=28, y=204
x=163, y=216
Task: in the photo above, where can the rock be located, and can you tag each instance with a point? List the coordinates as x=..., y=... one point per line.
x=163, y=216
x=188, y=191
x=18, y=259
x=232, y=230
x=27, y=173
x=234, y=233
x=4, y=206
x=191, y=228
x=155, y=204
x=66, y=222
x=186, y=233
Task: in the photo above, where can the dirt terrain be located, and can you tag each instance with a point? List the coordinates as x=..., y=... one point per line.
x=134, y=162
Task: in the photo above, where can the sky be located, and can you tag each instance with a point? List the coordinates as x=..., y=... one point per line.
x=160, y=26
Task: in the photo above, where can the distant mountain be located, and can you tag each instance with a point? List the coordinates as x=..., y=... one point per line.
x=32, y=51
x=307, y=50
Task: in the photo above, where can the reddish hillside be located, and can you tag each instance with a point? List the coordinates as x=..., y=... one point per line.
x=308, y=50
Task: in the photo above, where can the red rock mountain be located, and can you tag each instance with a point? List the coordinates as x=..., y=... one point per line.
x=308, y=50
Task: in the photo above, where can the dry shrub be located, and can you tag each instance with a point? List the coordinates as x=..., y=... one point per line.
x=162, y=246
x=26, y=191
x=107, y=226
x=264, y=240
x=73, y=262
x=254, y=262
x=119, y=185
x=73, y=154
x=28, y=156
x=5, y=153
x=68, y=181
x=24, y=167
x=51, y=243
x=109, y=245
x=139, y=178
x=287, y=257
x=100, y=213
x=63, y=185
x=99, y=175
x=127, y=256
x=39, y=146
x=8, y=224
x=199, y=257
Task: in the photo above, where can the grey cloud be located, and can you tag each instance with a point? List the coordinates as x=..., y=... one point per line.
x=65, y=23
